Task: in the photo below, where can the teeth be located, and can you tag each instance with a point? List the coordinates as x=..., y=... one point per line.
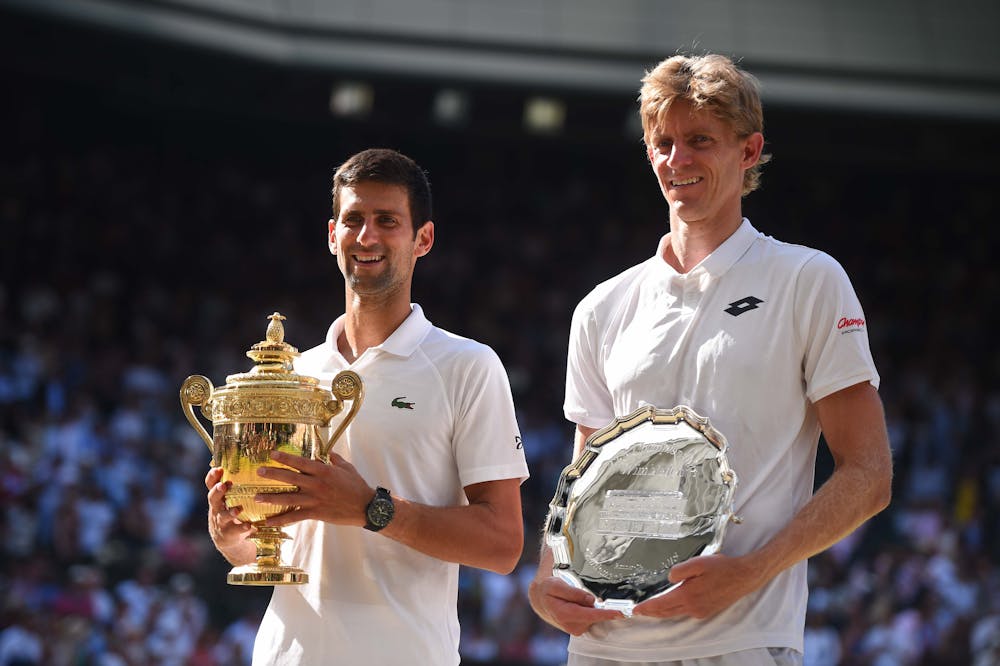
x=686, y=181
x=368, y=260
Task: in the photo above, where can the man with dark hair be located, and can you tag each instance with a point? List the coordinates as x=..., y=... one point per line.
x=426, y=478
x=768, y=341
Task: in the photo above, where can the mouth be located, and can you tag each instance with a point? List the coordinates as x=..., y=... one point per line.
x=368, y=259
x=681, y=182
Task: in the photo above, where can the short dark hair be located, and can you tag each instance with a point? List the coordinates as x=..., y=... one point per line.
x=383, y=165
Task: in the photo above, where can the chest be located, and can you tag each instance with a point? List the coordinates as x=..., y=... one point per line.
x=404, y=429
x=681, y=339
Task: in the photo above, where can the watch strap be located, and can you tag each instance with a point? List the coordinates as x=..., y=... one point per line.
x=380, y=510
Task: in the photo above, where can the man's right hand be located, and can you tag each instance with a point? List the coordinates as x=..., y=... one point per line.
x=560, y=604
x=566, y=607
x=229, y=534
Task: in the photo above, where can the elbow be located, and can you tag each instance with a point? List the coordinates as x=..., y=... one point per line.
x=881, y=491
x=507, y=553
x=884, y=497
x=505, y=567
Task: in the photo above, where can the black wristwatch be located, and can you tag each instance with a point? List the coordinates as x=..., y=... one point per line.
x=379, y=511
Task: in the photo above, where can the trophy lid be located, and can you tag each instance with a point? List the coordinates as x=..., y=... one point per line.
x=273, y=357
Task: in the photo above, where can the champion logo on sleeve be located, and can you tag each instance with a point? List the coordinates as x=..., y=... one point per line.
x=850, y=324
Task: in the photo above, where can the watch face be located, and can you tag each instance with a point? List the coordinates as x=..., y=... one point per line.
x=380, y=511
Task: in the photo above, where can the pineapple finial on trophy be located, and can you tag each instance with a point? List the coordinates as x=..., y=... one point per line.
x=269, y=408
x=273, y=354
x=275, y=330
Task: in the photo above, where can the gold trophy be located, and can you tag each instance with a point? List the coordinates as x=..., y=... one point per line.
x=266, y=409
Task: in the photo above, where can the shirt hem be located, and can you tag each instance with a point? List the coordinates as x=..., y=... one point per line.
x=833, y=387
x=590, y=648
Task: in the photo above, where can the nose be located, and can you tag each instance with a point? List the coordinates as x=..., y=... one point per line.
x=679, y=155
x=367, y=234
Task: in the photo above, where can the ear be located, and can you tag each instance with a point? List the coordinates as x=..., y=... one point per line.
x=331, y=238
x=752, y=148
x=424, y=240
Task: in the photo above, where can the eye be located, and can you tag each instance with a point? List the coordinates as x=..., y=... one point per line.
x=387, y=221
x=351, y=221
x=701, y=139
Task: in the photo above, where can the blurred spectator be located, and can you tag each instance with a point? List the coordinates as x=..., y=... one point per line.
x=131, y=259
x=20, y=642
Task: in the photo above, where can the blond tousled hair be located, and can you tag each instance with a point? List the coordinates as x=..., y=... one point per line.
x=712, y=82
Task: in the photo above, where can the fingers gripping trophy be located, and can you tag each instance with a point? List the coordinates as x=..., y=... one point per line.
x=269, y=408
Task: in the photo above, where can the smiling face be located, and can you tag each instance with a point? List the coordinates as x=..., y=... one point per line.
x=374, y=242
x=699, y=162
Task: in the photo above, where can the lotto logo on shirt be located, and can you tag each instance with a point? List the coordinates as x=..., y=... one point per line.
x=850, y=325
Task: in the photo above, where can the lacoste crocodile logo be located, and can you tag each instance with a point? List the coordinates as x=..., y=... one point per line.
x=398, y=402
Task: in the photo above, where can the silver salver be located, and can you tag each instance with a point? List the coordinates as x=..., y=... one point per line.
x=650, y=490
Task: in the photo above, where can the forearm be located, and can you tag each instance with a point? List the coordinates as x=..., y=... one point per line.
x=476, y=535
x=851, y=496
x=860, y=486
x=536, y=595
x=486, y=533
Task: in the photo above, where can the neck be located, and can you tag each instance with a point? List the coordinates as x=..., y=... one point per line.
x=687, y=245
x=369, y=322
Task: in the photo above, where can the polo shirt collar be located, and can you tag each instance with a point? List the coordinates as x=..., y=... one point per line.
x=734, y=247
x=726, y=255
x=403, y=341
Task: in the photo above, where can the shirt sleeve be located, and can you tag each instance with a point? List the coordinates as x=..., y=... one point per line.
x=487, y=440
x=834, y=330
x=588, y=401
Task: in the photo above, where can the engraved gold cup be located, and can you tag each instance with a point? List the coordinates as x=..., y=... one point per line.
x=270, y=408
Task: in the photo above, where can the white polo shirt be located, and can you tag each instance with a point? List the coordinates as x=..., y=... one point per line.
x=751, y=338
x=437, y=416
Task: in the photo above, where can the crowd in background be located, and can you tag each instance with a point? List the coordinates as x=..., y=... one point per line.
x=134, y=256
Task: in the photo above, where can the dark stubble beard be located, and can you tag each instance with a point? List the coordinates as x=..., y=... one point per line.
x=377, y=284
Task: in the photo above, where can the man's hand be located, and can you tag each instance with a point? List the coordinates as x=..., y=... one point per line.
x=229, y=533
x=333, y=492
x=566, y=607
x=709, y=585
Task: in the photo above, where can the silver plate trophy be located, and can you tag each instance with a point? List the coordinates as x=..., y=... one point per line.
x=649, y=490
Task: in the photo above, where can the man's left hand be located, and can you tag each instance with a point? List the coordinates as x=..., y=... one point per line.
x=711, y=583
x=333, y=492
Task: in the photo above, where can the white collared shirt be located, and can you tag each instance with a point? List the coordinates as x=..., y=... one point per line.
x=437, y=416
x=751, y=337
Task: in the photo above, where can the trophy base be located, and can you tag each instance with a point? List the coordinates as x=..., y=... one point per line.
x=252, y=574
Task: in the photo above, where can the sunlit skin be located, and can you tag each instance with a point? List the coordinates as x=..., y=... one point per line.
x=373, y=240
x=376, y=248
x=699, y=162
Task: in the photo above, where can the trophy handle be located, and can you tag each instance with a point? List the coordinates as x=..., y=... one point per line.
x=346, y=386
x=196, y=390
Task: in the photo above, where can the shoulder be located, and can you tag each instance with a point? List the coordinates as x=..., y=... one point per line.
x=448, y=350
x=785, y=258
x=608, y=294
x=770, y=248
x=314, y=359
